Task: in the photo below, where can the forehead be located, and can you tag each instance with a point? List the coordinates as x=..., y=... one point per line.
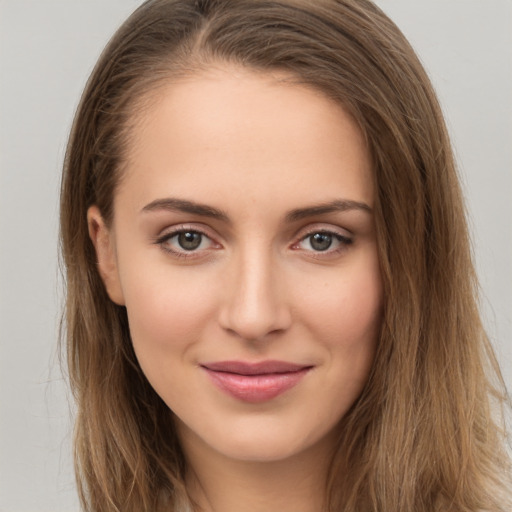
x=233, y=132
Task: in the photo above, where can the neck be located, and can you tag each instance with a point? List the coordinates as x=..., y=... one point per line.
x=220, y=484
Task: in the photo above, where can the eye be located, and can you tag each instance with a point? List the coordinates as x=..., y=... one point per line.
x=185, y=242
x=323, y=241
x=320, y=241
x=189, y=240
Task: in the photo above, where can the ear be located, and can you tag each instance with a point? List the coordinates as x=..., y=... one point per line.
x=103, y=242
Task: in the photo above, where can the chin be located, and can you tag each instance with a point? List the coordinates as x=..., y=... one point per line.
x=265, y=450
x=259, y=442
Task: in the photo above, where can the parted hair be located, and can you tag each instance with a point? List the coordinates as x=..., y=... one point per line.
x=427, y=433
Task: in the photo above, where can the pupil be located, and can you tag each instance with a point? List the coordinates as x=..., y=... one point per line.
x=189, y=240
x=321, y=241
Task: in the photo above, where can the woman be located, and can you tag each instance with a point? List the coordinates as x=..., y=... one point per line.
x=271, y=301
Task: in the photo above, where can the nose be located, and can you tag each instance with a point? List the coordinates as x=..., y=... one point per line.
x=255, y=305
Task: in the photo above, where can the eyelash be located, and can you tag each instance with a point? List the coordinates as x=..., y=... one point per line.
x=163, y=242
x=342, y=240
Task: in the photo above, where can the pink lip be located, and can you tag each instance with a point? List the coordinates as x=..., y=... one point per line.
x=255, y=382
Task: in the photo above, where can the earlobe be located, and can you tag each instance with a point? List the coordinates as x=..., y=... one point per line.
x=101, y=238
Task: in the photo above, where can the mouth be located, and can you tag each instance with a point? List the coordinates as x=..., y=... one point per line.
x=255, y=382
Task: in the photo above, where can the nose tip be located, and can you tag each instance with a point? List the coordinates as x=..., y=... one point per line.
x=255, y=307
x=254, y=322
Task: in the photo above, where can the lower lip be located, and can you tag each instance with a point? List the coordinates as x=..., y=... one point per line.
x=256, y=388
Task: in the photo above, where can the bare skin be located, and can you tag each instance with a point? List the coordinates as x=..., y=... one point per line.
x=243, y=234
x=296, y=484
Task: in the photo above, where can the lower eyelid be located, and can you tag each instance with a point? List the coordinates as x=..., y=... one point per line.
x=165, y=244
x=343, y=242
x=163, y=241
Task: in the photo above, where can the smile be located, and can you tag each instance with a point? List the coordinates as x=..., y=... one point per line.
x=255, y=382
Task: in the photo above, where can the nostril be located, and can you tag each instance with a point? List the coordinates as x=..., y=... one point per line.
x=255, y=325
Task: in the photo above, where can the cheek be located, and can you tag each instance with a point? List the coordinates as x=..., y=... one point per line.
x=167, y=315
x=352, y=342
x=346, y=317
x=347, y=310
x=166, y=310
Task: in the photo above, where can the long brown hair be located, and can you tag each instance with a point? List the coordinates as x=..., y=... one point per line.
x=425, y=435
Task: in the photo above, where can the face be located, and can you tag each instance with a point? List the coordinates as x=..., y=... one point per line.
x=244, y=250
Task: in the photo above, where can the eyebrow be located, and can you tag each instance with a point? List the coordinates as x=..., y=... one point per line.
x=182, y=205
x=204, y=210
x=339, y=205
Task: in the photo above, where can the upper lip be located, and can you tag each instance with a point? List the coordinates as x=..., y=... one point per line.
x=259, y=368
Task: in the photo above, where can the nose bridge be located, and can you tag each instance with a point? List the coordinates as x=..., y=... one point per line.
x=255, y=304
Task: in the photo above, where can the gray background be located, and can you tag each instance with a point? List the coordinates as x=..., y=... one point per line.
x=47, y=49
